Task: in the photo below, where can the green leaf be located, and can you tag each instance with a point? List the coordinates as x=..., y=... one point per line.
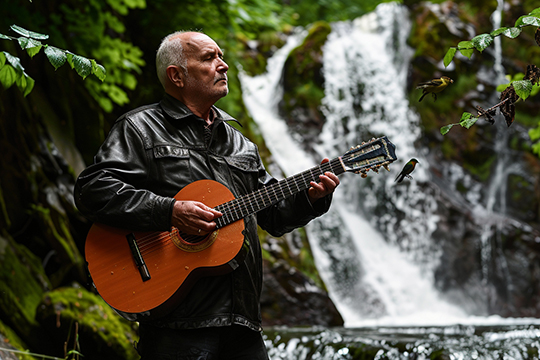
x=498, y=32
x=9, y=75
x=445, y=129
x=534, y=134
x=502, y=87
x=69, y=58
x=33, y=47
x=536, y=148
x=14, y=61
x=23, y=42
x=56, y=56
x=2, y=58
x=535, y=12
x=449, y=56
x=482, y=41
x=466, y=52
x=467, y=120
x=528, y=20
x=29, y=85
x=532, y=20
x=82, y=65
x=465, y=45
x=98, y=70
x=117, y=95
x=466, y=48
x=24, y=85
x=29, y=34
x=523, y=88
x=512, y=32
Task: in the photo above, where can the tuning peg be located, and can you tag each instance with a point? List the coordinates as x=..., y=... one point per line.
x=364, y=175
x=386, y=167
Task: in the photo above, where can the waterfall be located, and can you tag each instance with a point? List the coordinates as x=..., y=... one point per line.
x=372, y=278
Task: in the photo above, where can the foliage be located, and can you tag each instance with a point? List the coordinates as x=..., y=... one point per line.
x=12, y=72
x=309, y=12
x=520, y=88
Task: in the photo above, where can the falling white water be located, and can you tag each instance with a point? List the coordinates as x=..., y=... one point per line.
x=369, y=278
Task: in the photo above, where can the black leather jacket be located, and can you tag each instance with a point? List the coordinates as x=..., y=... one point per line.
x=149, y=155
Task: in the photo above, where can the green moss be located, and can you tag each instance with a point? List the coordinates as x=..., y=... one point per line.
x=254, y=60
x=101, y=331
x=303, y=81
x=56, y=229
x=13, y=339
x=22, y=280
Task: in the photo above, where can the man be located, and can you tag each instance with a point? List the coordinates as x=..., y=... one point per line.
x=154, y=151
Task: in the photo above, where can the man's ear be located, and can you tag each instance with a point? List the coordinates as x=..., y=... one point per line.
x=175, y=75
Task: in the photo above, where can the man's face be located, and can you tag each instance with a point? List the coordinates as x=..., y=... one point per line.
x=206, y=71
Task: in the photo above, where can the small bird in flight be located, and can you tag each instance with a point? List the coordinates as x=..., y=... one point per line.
x=434, y=86
x=407, y=170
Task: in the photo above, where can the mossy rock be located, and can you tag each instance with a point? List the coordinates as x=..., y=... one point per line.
x=303, y=84
x=23, y=282
x=9, y=341
x=102, y=334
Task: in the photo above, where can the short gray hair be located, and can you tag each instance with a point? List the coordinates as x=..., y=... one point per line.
x=170, y=52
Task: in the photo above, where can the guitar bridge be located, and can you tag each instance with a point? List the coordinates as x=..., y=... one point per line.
x=137, y=257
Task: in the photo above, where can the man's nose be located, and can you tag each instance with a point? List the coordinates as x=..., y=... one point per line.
x=222, y=66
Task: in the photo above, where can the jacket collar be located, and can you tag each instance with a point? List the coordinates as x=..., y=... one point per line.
x=178, y=111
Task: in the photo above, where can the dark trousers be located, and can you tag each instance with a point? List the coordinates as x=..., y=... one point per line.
x=218, y=343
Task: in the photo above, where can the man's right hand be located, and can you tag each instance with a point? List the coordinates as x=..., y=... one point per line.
x=193, y=217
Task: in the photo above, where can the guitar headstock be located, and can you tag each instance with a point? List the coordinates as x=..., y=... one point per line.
x=369, y=155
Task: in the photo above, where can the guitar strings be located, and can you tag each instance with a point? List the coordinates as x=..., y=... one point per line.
x=239, y=208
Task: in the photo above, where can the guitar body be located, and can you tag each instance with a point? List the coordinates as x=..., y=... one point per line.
x=172, y=265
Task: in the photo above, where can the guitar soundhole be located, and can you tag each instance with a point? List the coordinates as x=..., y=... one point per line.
x=192, y=243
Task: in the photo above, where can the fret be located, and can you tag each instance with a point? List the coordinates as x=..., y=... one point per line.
x=241, y=203
x=288, y=188
x=268, y=194
x=281, y=189
x=296, y=183
x=275, y=194
x=262, y=199
x=234, y=208
x=252, y=207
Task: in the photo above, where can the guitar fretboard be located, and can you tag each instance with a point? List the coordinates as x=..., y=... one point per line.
x=243, y=206
x=359, y=159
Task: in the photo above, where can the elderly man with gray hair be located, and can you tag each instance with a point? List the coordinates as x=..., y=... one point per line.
x=155, y=151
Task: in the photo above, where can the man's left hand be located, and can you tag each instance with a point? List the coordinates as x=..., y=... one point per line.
x=326, y=186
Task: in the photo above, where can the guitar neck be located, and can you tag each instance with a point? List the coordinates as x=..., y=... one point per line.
x=267, y=196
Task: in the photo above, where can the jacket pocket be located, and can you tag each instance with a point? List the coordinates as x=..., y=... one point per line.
x=244, y=172
x=173, y=164
x=170, y=151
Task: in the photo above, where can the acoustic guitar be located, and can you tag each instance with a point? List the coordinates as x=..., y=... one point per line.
x=144, y=275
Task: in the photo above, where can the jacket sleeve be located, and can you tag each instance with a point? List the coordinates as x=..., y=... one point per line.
x=112, y=190
x=291, y=213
